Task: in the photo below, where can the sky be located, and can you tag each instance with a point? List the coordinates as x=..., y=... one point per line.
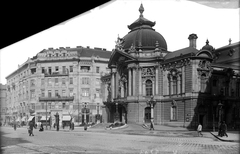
x=100, y=27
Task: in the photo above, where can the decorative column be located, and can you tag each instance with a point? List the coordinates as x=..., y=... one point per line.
x=183, y=79
x=156, y=79
x=140, y=80
x=129, y=82
x=113, y=84
x=134, y=81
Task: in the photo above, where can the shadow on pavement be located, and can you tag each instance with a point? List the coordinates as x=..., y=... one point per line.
x=8, y=141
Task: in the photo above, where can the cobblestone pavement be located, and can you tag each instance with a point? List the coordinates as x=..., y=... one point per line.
x=79, y=141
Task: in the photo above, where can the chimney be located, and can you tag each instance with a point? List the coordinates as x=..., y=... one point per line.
x=192, y=40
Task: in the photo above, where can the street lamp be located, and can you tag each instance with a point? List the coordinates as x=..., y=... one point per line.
x=57, y=120
x=117, y=114
x=151, y=103
x=220, y=113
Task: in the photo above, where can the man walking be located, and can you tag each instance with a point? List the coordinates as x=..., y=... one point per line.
x=151, y=126
x=30, y=131
x=199, y=129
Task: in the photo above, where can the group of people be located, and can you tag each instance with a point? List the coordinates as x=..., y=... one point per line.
x=222, y=131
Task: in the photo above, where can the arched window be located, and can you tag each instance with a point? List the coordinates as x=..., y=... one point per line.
x=174, y=84
x=148, y=88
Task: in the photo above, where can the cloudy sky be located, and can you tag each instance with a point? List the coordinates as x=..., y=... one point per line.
x=100, y=27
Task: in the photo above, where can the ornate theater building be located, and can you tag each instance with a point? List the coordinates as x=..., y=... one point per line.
x=180, y=88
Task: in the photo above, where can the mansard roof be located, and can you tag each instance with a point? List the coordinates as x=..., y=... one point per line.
x=181, y=52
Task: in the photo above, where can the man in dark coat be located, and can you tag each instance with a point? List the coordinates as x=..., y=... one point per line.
x=223, y=128
x=31, y=125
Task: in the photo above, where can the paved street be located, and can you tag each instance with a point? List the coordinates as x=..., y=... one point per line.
x=98, y=140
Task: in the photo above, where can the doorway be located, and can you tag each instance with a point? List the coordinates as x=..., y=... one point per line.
x=147, y=116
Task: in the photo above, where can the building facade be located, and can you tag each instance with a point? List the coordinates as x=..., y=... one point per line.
x=3, y=94
x=64, y=81
x=180, y=88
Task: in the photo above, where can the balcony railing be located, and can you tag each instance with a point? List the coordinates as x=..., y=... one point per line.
x=53, y=74
x=59, y=98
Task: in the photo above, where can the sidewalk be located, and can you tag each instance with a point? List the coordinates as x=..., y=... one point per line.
x=233, y=136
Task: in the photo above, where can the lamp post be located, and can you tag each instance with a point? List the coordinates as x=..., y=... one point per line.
x=46, y=115
x=57, y=120
x=151, y=103
x=220, y=113
x=117, y=114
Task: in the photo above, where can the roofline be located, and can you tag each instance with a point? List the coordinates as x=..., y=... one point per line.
x=228, y=46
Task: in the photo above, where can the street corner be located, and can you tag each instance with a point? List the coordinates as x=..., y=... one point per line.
x=232, y=137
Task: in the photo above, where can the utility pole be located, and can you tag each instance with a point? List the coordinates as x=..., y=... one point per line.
x=46, y=115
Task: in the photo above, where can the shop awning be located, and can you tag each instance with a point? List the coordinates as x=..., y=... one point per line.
x=66, y=118
x=44, y=118
x=31, y=118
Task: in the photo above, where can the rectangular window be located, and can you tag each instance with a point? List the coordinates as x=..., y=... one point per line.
x=42, y=82
x=42, y=92
x=71, y=80
x=97, y=69
x=56, y=93
x=63, y=105
x=64, y=93
x=85, y=92
x=97, y=81
x=64, y=69
x=97, y=93
x=49, y=70
x=238, y=89
x=56, y=81
x=56, y=68
x=49, y=93
x=85, y=68
x=71, y=92
x=32, y=82
x=71, y=68
x=32, y=94
x=43, y=104
x=49, y=82
x=174, y=84
x=43, y=70
x=63, y=81
x=214, y=83
x=85, y=80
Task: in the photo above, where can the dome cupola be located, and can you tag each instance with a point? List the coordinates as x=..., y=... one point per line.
x=142, y=36
x=208, y=47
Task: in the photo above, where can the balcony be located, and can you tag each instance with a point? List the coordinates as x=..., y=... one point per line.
x=59, y=98
x=55, y=74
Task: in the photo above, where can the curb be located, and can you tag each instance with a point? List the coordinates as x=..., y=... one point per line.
x=223, y=139
x=124, y=126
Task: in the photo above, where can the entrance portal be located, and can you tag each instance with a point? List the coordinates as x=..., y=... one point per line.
x=147, y=117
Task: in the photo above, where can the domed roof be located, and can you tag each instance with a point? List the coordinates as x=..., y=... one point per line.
x=208, y=47
x=143, y=36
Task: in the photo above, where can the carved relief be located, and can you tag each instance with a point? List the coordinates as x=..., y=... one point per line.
x=176, y=64
x=148, y=71
x=204, y=69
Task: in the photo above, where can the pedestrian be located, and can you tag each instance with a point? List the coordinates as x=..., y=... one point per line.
x=72, y=126
x=14, y=125
x=30, y=130
x=151, y=126
x=223, y=127
x=41, y=128
x=199, y=129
